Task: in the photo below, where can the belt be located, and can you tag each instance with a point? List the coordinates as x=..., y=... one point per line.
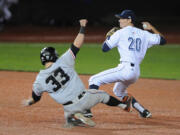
x=79, y=97
x=131, y=64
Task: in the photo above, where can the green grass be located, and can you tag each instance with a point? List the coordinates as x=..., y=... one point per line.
x=159, y=62
x=162, y=62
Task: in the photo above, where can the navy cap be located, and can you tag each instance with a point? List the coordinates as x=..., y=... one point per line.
x=126, y=14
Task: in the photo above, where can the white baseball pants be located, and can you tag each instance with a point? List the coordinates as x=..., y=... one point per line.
x=123, y=75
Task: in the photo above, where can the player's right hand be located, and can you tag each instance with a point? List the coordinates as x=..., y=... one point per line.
x=147, y=26
x=83, y=22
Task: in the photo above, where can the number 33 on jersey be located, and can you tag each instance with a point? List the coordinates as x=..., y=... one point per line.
x=60, y=80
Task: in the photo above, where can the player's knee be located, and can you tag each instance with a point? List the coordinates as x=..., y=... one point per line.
x=105, y=98
x=92, y=82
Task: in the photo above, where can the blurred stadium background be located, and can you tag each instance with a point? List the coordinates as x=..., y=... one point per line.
x=52, y=17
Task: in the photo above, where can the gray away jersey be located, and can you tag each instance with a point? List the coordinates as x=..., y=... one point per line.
x=60, y=80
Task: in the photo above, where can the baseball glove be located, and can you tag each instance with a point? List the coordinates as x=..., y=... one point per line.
x=112, y=31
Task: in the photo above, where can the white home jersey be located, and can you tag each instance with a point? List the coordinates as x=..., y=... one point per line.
x=132, y=43
x=60, y=80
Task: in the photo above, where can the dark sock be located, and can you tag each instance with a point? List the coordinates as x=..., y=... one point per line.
x=133, y=101
x=93, y=86
x=113, y=101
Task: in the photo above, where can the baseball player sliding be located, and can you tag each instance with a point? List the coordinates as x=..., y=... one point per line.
x=132, y=44
x=63, y=84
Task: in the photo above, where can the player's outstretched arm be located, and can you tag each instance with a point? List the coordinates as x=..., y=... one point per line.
x=79, y=40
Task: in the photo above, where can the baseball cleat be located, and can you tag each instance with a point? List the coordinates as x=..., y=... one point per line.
x=128, y=101
x=145, y=114
x=85, y=120
x=75, y=122
x=88, y=114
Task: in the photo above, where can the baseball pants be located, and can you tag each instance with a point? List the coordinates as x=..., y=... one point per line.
x=123, y=75
x=89, y=99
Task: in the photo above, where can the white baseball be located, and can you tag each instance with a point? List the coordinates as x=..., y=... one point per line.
x=144, y=26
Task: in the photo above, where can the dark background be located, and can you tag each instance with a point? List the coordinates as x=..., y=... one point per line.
x=65, y=13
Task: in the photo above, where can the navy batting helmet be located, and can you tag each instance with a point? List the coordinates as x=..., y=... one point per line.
x=48, y=54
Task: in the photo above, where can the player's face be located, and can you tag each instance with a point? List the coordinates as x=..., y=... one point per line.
x=124, y=22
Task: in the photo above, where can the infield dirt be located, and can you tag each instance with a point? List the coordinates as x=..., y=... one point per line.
x=46, y=117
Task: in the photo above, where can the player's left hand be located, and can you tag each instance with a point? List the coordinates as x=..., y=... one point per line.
x=112, y=31
x=26, y=102
x=83, y=22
